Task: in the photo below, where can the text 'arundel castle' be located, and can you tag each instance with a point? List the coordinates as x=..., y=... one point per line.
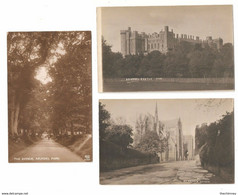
x=133, y=43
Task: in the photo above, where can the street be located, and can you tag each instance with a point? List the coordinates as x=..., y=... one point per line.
x=177, y=172
x=46, y=150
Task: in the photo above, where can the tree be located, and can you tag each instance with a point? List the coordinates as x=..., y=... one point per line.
x=151, y=143
x=104, y=123
x=71, y=80
x=120, y=135
x=34, y=118
x=110, y=60
x=67, y=57
x=26, y=52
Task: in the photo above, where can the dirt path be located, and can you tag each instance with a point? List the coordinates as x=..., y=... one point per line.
x=46, y=150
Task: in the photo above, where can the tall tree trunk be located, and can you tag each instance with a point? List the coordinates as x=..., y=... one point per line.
x=11, y=109
x=11, y=122
x=16, y=118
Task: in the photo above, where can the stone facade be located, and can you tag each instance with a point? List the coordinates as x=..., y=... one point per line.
x=133, y=43
x=171, y=129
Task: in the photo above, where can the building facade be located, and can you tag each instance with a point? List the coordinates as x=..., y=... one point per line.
x=172, y=131
x=134, y=43
x=189, y=146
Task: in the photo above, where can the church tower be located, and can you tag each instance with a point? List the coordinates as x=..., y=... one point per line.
x=156, y=119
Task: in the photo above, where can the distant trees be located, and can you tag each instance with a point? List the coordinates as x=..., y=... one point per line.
x=184, y=61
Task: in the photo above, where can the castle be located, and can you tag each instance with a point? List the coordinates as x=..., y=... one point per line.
x=133, y=43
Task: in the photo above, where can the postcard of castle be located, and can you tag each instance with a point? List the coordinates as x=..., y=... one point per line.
x=166, y=141
x=49, y=96
x=165, y=48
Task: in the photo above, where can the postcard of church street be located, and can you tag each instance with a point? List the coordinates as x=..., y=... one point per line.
x=166, y=141
x=165, y=48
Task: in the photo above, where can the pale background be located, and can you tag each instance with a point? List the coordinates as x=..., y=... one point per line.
x=192, y=112
x=82, y=178
x=202, y=21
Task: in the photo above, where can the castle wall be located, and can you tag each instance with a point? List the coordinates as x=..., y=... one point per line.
x=133, y=43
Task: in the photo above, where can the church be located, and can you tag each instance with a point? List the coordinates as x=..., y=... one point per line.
x=172, y=130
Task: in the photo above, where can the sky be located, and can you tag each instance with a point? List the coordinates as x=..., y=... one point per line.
x=202, y=21
x=192, y=112
x=42, y=75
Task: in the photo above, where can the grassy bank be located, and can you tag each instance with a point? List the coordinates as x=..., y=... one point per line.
x=18, y=143
x=79, y=144
x=118, y=85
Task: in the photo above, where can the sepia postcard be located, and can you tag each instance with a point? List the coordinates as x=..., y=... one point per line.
x=165, y=48
x=166, y=141
x=49, y=96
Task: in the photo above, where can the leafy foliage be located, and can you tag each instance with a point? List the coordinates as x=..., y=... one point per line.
x=151, y=143
x=146, y=138
x=104, y=123
x=119, y=134
x=62, y=104
x=71, y=76
x=185, y=61
x=215, y=142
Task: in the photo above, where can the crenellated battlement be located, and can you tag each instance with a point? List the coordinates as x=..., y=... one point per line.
x=133, y=42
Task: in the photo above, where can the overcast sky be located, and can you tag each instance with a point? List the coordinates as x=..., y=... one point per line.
x=191, y=111
x=202, y=21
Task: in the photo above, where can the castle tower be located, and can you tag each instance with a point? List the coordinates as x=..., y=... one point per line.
x=165, y=44
x=123, y=43
x=128, y=36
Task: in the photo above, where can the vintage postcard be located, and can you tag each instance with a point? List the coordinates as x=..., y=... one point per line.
x=166, y=141
x=165, y=48
x=49, y=96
